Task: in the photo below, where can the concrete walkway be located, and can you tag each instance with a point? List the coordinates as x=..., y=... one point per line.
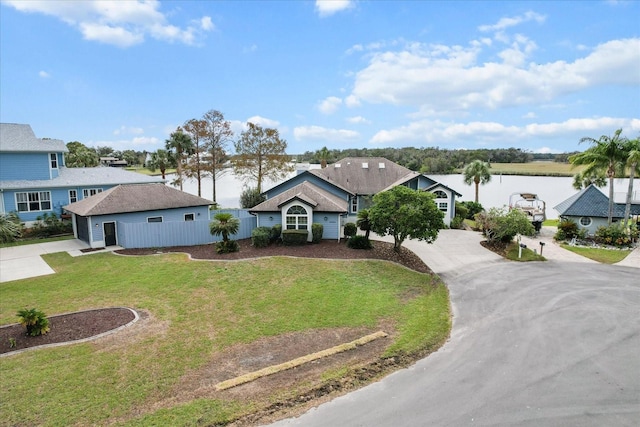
x=22, y=262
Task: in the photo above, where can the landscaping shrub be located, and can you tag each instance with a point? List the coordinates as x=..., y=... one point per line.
x=276, y=232
x=225, y=247
x=457, y=222
x=498, y=225
x=251, y=197
x=350, y=229
x=260, y=237
x=473, y=208
x=359, y=242
x=294, y=237
x=317, y=230
x=568, y=229
x=614, y=235
x=49, y=224
x=34, y=320
x=461, y=211
x=10, y=227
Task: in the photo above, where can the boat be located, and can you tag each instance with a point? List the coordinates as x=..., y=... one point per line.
x=532, y=206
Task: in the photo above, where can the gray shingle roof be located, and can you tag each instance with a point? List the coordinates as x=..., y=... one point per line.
x=16, y=137
x=83, y=177
x=321, y=200
x=135, y=198
x=364, y=175
x=591, y=202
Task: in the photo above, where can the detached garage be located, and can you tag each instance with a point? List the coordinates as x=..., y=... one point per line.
x=141, y=216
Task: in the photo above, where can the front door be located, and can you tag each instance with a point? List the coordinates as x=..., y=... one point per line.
x=109, y=233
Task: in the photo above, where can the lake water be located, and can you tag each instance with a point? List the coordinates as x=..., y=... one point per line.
x=553, y=190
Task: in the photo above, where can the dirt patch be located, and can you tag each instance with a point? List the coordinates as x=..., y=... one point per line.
x=496, y=246
x=66, y=327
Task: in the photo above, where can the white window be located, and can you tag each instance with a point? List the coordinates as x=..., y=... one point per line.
x=33, y=201
x=354, y=204
x=585, y=221
x=90, y=192
x=154, y=219
x=297, y=218
x=54, y=160
x=73, y=196
x=443, y=206
x=189, y=217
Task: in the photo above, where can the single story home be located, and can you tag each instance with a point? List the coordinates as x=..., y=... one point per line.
x=335, y=194
x=589, y=208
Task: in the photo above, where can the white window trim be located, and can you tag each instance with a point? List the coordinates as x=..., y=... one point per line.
x=353, y=204
x=53, y=158
x=443, y=206
x=587, y=218
x=153, y=217
x=28, y=202
x=75, y=197
x=86, y=192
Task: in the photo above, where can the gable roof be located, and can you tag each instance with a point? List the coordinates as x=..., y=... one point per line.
x=83, y=177
x=135, y=198
x=15, y=137
x=593, y=203
x=320, y=199
x=364, y=175
x=437, y=185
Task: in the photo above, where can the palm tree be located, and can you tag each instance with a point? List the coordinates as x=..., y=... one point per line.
x=477, y=172
x=363, y=222
x=162, y=160
x=582, y=180
x=223, y=225
x=632, y=149
x=323, y=154
x=180, y=143
x=606, y=153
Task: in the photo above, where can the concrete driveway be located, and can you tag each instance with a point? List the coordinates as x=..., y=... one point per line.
x=21, y=262
x=551, y=343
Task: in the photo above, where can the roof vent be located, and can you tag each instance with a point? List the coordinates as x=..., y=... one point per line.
x=365, y=165
x=381, y=165
x=336, y=165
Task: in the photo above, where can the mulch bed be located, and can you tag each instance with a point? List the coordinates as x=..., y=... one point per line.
x=326, y=249
x=66, y=327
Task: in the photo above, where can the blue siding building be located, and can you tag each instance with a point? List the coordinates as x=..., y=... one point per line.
x=35, y=181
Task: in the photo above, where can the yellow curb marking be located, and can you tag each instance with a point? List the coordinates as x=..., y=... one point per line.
x=269, y=370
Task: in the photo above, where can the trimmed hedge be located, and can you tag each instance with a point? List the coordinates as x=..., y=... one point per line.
x=294, y=237
x=350, y=229
x=316, y=231
x=260, y=237
x=359, y=242
x=276, y=232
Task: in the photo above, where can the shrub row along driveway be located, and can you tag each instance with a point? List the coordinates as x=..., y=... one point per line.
x=540, y=343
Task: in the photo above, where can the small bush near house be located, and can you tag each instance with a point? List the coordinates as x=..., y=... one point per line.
x=350, y=229
x=276, y=233
x=472, y=208
x=359, y=242
x=316, y=232
x=457, y=222
x=34, y=320
x=502, y=226
x=260, y=237
x=294, y=237
x=568, y=229
x=615, y=235
x=10, y=227
x=227, y=247
x=461, y=210
x=50, y=225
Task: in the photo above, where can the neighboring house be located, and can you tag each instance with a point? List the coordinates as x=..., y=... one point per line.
x=140, y=216
x=333, y=195
x=590, y=209
x=113, y=162
x=35, y=181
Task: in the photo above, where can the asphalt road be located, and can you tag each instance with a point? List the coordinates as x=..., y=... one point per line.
x=552, y=343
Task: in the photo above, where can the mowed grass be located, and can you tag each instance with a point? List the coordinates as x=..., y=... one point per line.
x=605, y=256
x=534, y=168
x=196, y=309
x=24, y=242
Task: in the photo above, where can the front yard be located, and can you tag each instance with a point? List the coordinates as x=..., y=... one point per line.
x=208, y=321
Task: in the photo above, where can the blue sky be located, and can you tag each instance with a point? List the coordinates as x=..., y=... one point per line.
x=341, y=74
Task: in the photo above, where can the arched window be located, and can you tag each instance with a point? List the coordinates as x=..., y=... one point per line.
x=297, y=218
x=440, y=194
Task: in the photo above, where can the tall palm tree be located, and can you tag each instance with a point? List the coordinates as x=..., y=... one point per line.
x=477, y=172
x=606, y=153
x=581, y=180
x=179, y=143
x=323, y=154
x=162, y=160
x=632, y=149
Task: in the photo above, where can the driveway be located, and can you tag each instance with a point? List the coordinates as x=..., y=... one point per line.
x=551, y=343
x=21, y=262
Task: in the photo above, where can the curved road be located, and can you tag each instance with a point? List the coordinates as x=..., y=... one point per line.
x=551, y=343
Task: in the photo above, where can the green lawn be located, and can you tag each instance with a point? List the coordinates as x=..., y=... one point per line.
x=605, y=256
x=34, y=241
x=197, y=309
x=146, y=171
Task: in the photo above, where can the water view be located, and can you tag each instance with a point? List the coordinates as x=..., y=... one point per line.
x=553, y=190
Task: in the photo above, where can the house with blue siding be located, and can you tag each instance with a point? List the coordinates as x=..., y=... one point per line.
x=35, y=181
x=333, y=195
x=141, y=216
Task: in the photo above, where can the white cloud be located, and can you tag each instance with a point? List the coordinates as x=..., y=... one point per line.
x=43, y=74
x=264, y=122
x=129, y=130
x=546, y=150
x=358, y=120
x=118, y=23
x=148, y=143
x=329, y=7
x=329, y=105
x=529, y=115
x=452, y=79
x=505, y=23
x=318, y=133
